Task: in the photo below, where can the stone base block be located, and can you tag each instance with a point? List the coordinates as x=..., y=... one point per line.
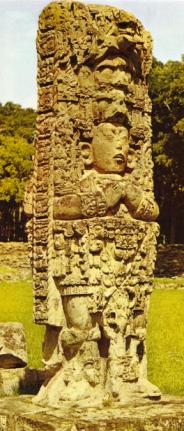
x=19, y=414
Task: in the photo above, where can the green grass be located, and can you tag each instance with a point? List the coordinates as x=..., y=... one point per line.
x=166, y=341
x=176, y=282
x=16, y=306
x=7, y=269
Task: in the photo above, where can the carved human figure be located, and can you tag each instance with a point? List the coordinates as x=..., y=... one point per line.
x=97, y=325
x=103, y=186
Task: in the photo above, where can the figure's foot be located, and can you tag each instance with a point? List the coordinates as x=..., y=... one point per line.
x=148, y=390
x=49, y=392
x=118, y=391
x=126, y=391
x=77, y=380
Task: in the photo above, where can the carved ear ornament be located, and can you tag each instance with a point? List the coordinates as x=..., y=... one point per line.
x=86, y=153
x=131, y=162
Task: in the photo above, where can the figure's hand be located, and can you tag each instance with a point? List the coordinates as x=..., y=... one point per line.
x=141, y=205
x=133, y=197
x=114, y=192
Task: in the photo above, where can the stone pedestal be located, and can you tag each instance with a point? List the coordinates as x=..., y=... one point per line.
x=19, y=414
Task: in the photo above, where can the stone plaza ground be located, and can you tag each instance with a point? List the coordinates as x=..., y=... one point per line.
x=19, y=414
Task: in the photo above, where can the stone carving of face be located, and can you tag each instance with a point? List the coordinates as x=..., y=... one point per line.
x=109, y=149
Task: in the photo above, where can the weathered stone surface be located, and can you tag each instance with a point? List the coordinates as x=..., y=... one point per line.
x=13, y=351
x=19, y=414
x=93, y=229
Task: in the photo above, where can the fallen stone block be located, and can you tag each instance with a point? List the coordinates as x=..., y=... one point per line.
x=13, y=351
x=21, y=381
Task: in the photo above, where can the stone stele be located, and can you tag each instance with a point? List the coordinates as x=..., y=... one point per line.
x=93, y=229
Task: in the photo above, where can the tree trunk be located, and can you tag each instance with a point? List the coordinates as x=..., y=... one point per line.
x=173, y=226
x=12, y=222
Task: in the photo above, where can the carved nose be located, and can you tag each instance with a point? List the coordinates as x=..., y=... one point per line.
x=119, y=146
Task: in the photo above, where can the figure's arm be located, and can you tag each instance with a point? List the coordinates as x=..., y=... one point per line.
x=141, y=205
x=73, y=206
x=67, y=207
x=105, y=195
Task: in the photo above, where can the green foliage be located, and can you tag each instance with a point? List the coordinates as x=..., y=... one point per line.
x=167, y=94
x=15, y=167
x=15, y=120
x=16, y=150
x=179, y=127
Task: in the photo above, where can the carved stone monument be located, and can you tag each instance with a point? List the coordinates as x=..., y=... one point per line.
x=93, y=229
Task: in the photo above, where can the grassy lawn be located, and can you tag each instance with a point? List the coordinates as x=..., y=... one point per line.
x=16, y=306
x=165, y=331
x=166, y=340
x=175, y=282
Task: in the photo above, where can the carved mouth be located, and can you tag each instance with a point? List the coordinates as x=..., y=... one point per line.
x=119, y=158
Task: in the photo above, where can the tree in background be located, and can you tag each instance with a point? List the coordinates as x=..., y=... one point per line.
x=167, y=94
x=15, y=120
x=16, y=151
